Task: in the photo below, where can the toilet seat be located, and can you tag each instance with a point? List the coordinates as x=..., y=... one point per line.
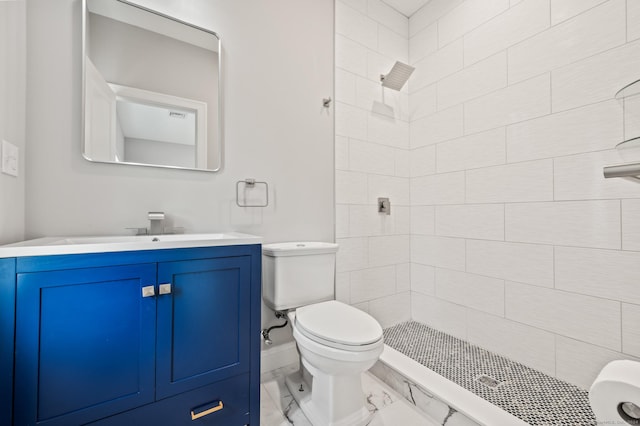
x=339, y=326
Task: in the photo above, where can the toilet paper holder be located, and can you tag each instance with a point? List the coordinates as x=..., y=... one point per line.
x=629, y=412
x=615, y=393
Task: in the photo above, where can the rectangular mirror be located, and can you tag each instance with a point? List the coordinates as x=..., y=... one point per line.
x=151, y=88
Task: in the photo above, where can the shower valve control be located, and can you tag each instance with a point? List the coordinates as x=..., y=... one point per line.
x=384, y=206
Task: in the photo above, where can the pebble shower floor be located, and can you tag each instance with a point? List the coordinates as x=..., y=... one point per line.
x=534, y=397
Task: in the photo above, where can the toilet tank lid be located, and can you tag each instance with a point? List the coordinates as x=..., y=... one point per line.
x=301, y=248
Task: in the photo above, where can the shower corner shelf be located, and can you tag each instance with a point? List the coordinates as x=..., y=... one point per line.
x=629, y=90
x=627, y=170
x=629, y=143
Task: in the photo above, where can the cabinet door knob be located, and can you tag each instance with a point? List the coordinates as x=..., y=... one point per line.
x=213, y=409
x=148, y=291
x=165, y=289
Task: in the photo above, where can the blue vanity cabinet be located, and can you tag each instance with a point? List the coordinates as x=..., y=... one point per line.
x=203, y=323
x=7, y=333
x=154, y=337
x=85, y=343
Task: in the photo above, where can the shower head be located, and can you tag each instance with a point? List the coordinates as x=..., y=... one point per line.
x=397, y=77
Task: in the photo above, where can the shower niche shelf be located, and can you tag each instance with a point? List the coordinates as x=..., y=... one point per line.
x=629, y=90
x=628, y=95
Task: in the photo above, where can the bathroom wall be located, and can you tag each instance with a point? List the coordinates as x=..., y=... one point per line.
x=518, y=243
x=277, y=61
x=12, y=115
x=372, y=160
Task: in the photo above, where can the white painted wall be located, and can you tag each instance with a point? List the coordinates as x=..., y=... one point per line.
x=372, y=160
x=12, y=115
x=519, y=244
x=277, y=67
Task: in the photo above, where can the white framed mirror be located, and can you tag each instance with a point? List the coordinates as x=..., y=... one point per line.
x=151, y=88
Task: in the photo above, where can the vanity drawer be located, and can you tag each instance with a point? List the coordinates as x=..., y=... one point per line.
x=224, y=403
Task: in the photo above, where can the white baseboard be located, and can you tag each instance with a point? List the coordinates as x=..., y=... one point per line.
x=278, y=356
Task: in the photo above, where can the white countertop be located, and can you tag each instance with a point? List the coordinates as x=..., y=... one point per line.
x=102, y=244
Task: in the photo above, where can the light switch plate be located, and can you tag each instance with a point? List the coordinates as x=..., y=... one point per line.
x=9, y=158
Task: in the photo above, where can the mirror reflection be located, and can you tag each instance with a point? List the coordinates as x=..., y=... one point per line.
x=150, y=89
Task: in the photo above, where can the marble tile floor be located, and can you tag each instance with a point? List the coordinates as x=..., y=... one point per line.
x=277, y=407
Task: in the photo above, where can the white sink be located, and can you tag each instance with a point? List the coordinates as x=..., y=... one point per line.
x=100, y=244
x=148, y=238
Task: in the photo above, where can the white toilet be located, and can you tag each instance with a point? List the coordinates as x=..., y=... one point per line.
x=337, y=342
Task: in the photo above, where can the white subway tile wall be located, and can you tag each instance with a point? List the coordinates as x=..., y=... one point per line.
x=532, y=346
x=423, y=43
x=445, y=316
x=373, y=158
x=464, y=18
x=587, y=34
x=474, y=291
x=591, y=128
x=431, y=13
x=423, y=279
x=630, y=225
x=579, y=362
x=503, y=230
x=517, y=24
x=533, y=212
x=438, y=127
x=596, y=78
x=511, y=183
x=476, y=221
x=631, y=329
x=474, y=81
x=471, y=152
x=561, y=10
x=633, y=20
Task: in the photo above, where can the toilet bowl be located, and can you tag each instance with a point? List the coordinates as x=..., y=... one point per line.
x=336, y=342
x=335, y=353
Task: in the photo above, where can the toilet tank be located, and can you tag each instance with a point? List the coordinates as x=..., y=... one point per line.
x=297, y=274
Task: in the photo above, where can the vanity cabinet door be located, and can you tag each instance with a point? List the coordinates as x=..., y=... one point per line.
x=203, y=322
x=85, y=344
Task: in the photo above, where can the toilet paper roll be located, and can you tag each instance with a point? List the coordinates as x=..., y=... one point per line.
x=615, y=394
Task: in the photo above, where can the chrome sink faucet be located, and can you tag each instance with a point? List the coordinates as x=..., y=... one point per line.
x=156, y=220
x=157, y=225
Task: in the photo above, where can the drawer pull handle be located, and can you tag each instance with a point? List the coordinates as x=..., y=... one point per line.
x=165, y=289
x=218, y=407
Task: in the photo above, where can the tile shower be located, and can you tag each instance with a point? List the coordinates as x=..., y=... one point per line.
x=503, y=231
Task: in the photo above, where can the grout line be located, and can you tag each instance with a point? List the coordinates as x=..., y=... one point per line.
x=510, y=202
x=504, y=299
x=575, y=108
x=504, y=221
x=553, y=179
x=626, y=20
x=621, y=330
x=465, y=255
x=553, y=266
x=550, y=93
x=366, y=15
x=621, y=227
